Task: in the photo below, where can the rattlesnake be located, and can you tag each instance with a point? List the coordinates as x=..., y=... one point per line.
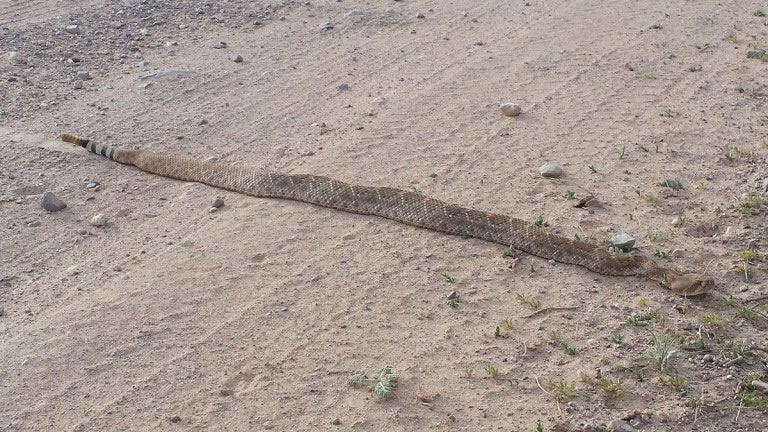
x=406, y=207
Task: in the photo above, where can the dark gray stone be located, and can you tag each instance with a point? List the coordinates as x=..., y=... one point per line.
x=52, y=203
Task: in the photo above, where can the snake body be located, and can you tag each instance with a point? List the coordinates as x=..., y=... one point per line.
x=406, y=207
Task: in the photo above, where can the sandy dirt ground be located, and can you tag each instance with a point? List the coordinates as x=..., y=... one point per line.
x=254, y=317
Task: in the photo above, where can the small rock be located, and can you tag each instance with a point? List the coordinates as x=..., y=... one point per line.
x=175, y=419
x=77, y=85
x=676, y=253
x=217, y=202
x=677, y=221
x=227, y=392
x=213, y=210
x=622, y=426
x=326, y=26
x=623, y=241
x=267, y=425
x=420, y=15
x=72, y=29
x=2, y=311
x=202, y=122
x=336, y=421
x=479, y=43
x=752, y=243
x=25, y=362
x=550, y=170
x=237, y=58
x=220, y=45
x=342, y=87
x=52, y=203
x=755, y=53
x=760, y=386
x=511, y=109
x=99, y=220
x=34, y=223
x=356, y=14
x=73, y=270
x=83, y=75
x=16, y=58
x=82, y=232
x=452, y=295
x=709, y=358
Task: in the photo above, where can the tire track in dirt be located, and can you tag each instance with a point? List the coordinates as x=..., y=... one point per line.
x=40, y=10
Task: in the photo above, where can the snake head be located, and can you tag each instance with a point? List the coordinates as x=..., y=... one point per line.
x=689, y=284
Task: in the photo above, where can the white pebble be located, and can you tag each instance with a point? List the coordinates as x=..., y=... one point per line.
x=550, y=170
x=511, y=109
x=99, y=220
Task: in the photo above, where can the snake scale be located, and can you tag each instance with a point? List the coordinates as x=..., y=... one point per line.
x=406, y=207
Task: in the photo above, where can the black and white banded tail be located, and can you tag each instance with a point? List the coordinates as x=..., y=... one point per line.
x=101, y=149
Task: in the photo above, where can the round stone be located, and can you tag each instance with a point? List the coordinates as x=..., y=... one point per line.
x=99, y=220
x=511, y=109
x=550, y=170
x=623, y=241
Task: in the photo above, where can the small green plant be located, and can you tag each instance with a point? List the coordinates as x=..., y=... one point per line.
x=612, y=389
x=693, y=403
x=668, y=113
x=658, y=147
x=641, y=319
x=622, y=151
x=569, y=349
x=695, y=68
x=617, y=338
x=508, y=253
x=491, y=371
x=639, y=375
x=455, y=301
x=652, y=198
x=677, y=383
x=467, y=373
x=576, y=237
x=663, y=254
x=728, y=156
x=661, y=353
x=529, y=301
x=541, y=222
x=643, y=148
x=385, y=379
x=749, y=314
x=759, y=13
x=735, y=350
x=751, y=205
x=532, y=269
x=749, y=255
x=448, y=278
x=592, y=169
x=643, y=302
x=507, y=323
x=618, y=252
x=561, y=389
x=702, y=344
x=569, y=194
x=538, y=428
x=497, y=332
x=675, y=184
x=713, y=320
